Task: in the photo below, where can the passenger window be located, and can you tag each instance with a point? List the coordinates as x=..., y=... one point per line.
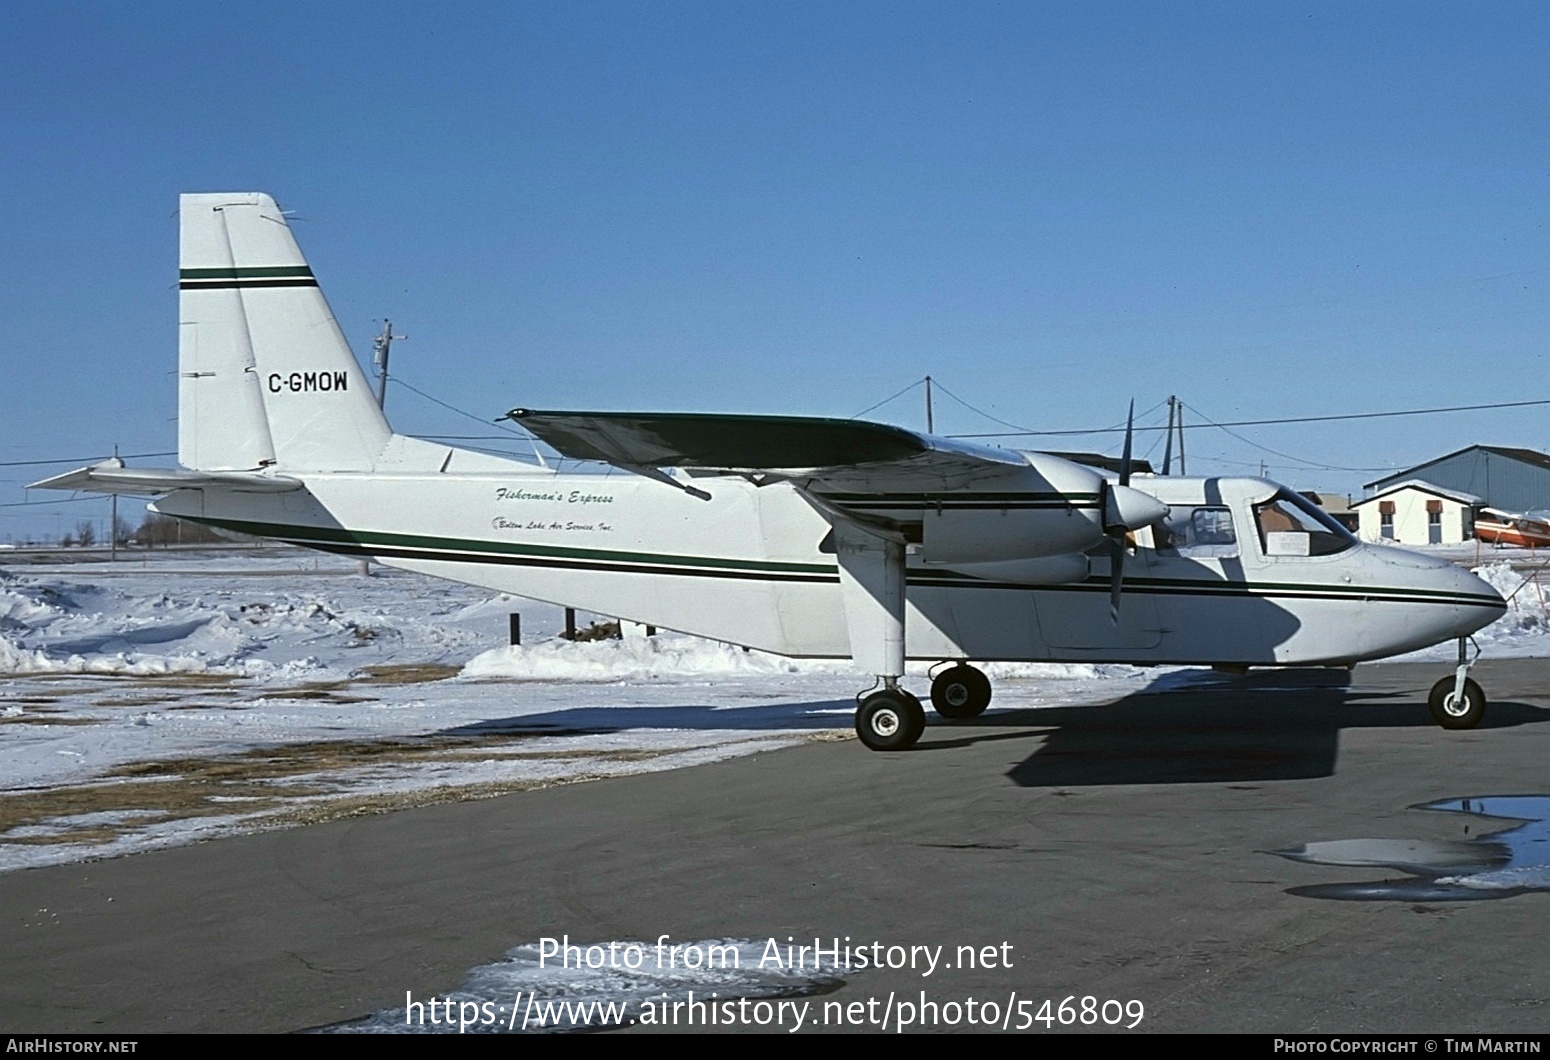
x=1197, y=533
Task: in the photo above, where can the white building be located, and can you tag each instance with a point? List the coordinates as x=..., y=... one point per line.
x=1414, y=512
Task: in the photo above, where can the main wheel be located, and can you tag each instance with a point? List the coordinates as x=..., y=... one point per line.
x=890, y=720
x=1451, y=712
x=960, y=692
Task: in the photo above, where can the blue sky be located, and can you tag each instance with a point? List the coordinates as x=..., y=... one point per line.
x=1268, y=209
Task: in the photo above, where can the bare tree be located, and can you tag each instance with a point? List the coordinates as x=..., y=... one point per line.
x=86, y=533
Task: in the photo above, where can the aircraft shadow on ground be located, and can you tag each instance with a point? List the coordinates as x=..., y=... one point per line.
x=815, y=716
x=1184, y=728
x=1276, y=725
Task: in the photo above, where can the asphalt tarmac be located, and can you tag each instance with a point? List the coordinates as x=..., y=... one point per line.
x=1118, y=852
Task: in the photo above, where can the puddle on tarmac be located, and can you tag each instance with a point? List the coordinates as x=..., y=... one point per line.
x=1499, y=865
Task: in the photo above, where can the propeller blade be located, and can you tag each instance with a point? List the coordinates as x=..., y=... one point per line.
x=1120, y=500
x=1124, y=460
x=1116, y=574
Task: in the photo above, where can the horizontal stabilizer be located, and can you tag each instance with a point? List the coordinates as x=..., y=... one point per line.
x=793, y=447
x=111, y=476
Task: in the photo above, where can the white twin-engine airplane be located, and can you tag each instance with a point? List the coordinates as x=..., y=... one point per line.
x=804, y=537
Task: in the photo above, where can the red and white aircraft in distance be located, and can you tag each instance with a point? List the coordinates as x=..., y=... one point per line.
x=1526, y=529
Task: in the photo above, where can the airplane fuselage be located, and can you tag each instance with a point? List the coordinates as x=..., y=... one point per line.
x=750, y=567
x=802, y=536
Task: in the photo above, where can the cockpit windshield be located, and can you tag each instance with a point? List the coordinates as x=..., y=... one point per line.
x=1291, y=525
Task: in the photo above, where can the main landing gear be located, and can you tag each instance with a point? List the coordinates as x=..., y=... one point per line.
x=892, y=719
x=871, y=563
x=1457, y=702
x=960, y=692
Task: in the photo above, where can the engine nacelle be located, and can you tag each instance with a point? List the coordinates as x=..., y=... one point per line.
x=1047, y=570
x=1050, y=507
x=957, y=536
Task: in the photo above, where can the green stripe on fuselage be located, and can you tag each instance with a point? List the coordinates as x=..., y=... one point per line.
x=866, y=500
x=366, y=538
x=440, y=549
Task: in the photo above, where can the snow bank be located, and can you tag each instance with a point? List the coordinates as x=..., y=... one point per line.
x=1522, y=630
x=635, y=659
x=137, y=624
x=675, y=656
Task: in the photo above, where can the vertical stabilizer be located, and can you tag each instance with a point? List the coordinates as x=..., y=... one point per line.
x=264, y=374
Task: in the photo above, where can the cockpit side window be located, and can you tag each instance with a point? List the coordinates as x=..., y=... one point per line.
x=1204, y=532
x=1291, y=525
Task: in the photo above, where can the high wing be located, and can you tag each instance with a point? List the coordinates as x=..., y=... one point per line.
x=962, y=504
x=111, y=476
x=831, y=454
x=859, y=467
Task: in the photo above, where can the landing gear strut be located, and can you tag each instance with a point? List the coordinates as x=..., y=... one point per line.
x=1457, y=702
x=871, y=566
x=871, y=563
x=960, y=692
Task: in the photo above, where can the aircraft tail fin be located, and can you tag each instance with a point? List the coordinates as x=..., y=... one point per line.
x=265, y=377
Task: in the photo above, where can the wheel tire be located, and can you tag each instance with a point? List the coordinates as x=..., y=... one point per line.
x=1448, y=712
x=960, y=692
x=890, y=720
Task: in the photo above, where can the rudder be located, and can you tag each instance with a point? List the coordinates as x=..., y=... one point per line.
x=265, y=376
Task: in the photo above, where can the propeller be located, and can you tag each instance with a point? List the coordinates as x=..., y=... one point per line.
x=1124, y=510
x=1114, y=529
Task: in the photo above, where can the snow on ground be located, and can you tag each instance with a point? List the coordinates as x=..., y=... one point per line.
x=177, y=696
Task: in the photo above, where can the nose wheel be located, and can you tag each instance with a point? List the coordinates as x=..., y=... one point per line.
x=1458, y=702
x=1454, y=710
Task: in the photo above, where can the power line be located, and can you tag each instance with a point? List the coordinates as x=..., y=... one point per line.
x=453, y=408
x=1118, y=427
x=977, y=411
x=468, y=437
x=1285, y=419
x=1017, y=431
x=75, y=460
x=880, y=404
x=1277, y=452
x=49, y=504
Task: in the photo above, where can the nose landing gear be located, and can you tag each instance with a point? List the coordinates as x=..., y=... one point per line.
x=1458, y=702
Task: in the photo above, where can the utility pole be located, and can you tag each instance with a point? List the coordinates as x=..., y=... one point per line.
x=930, y=425
x=380, y=347
x=1182, y=471
x=113, y=519
x=1168, y=445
